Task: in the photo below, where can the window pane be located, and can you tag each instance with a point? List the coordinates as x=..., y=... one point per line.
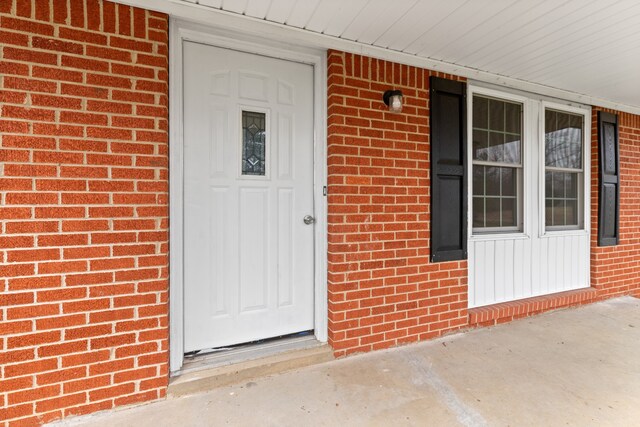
x=478, y=212
x=508, y=181
x=495, y=202
x=512, y=148
x=549, y=121
x=478, y=180
x=548, y=184
x=480, y=112
x=571, y=186
x=558, y=212
x=561, y=198
x=509, y=213
x=496, y=147
x=492, y=180
x=503, y=121
x=571, y=212
x=496, y=115
x=563, y=139
x=253, y=143
x=558, y=185
x=548, y=212
x=513, y=123
x=497, y=138
x=563, y=149
x=493, y=212
x=480, y=145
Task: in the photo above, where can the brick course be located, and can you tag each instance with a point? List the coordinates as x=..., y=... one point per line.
x=383, y=291
x=83, y=208
x=84, y=215
x=615, y=270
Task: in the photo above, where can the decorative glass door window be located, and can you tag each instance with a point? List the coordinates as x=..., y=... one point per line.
x=563, y=178
x=497, y=164
x=254, y=141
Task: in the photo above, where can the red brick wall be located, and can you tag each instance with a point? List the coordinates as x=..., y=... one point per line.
x=615, y=270
x=83, y=208
x=383, y=291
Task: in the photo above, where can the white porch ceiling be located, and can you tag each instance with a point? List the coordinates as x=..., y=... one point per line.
x=587, y=47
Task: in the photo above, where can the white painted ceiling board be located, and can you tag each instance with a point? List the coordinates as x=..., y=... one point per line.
x=593, y=53
x=279, y=10
x=211, y=3
x=574, y=38
x=525, y=41
x=459, y=21
x=236, y=6
x=584, y=47
x=501, y=26
x=544, y=16
x=602, y=85
x=599, y=65
x=584, y=44
x=365, y=26
x=337, y=15
x=301, y=12
x=257, y=8
x=416, y=22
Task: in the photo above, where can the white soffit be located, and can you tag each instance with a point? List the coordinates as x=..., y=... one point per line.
x=588, y=50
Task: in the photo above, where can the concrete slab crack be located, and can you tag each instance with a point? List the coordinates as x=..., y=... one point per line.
x=425, y=375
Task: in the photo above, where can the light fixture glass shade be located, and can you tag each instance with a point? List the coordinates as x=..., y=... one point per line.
x=393, y=99
x=395, y=104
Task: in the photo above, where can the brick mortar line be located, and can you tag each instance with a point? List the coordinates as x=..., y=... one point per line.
x=133, y=63
x=57, y=25
x=82, y=110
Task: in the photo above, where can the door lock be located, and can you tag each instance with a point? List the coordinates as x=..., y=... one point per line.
x=308, y=219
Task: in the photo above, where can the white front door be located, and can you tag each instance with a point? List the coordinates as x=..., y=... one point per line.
x=248, y=185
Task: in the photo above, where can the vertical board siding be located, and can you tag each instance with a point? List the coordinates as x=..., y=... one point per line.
x=510, y=269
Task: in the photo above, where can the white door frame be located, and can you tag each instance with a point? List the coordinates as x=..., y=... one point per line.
x=181, y=31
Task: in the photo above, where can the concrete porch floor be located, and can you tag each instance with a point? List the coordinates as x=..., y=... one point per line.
x=573, y=367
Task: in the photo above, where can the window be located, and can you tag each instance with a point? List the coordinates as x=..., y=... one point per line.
x=563, y=177
x=497, y=164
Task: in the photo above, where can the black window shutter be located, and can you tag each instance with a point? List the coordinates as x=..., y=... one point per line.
x=609, y=180
x=448, y=170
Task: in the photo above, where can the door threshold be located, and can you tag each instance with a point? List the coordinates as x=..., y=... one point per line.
x=241, y=363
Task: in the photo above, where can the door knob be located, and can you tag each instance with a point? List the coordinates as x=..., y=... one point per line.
x=308, y=219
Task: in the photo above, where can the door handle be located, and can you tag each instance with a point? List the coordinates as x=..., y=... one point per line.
x=308, y=219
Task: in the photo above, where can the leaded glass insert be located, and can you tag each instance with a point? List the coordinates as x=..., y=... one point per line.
x=254, y=143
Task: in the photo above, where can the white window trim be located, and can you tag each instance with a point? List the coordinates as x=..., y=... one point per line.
x=181, y=31
x=586, y=170
x=507, y=96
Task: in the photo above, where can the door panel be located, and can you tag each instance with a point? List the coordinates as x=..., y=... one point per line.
x=248, y=183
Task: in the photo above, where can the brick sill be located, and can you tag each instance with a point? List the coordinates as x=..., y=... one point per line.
x=507, y=311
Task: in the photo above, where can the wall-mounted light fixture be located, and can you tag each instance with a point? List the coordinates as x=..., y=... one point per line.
x=393, y=99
